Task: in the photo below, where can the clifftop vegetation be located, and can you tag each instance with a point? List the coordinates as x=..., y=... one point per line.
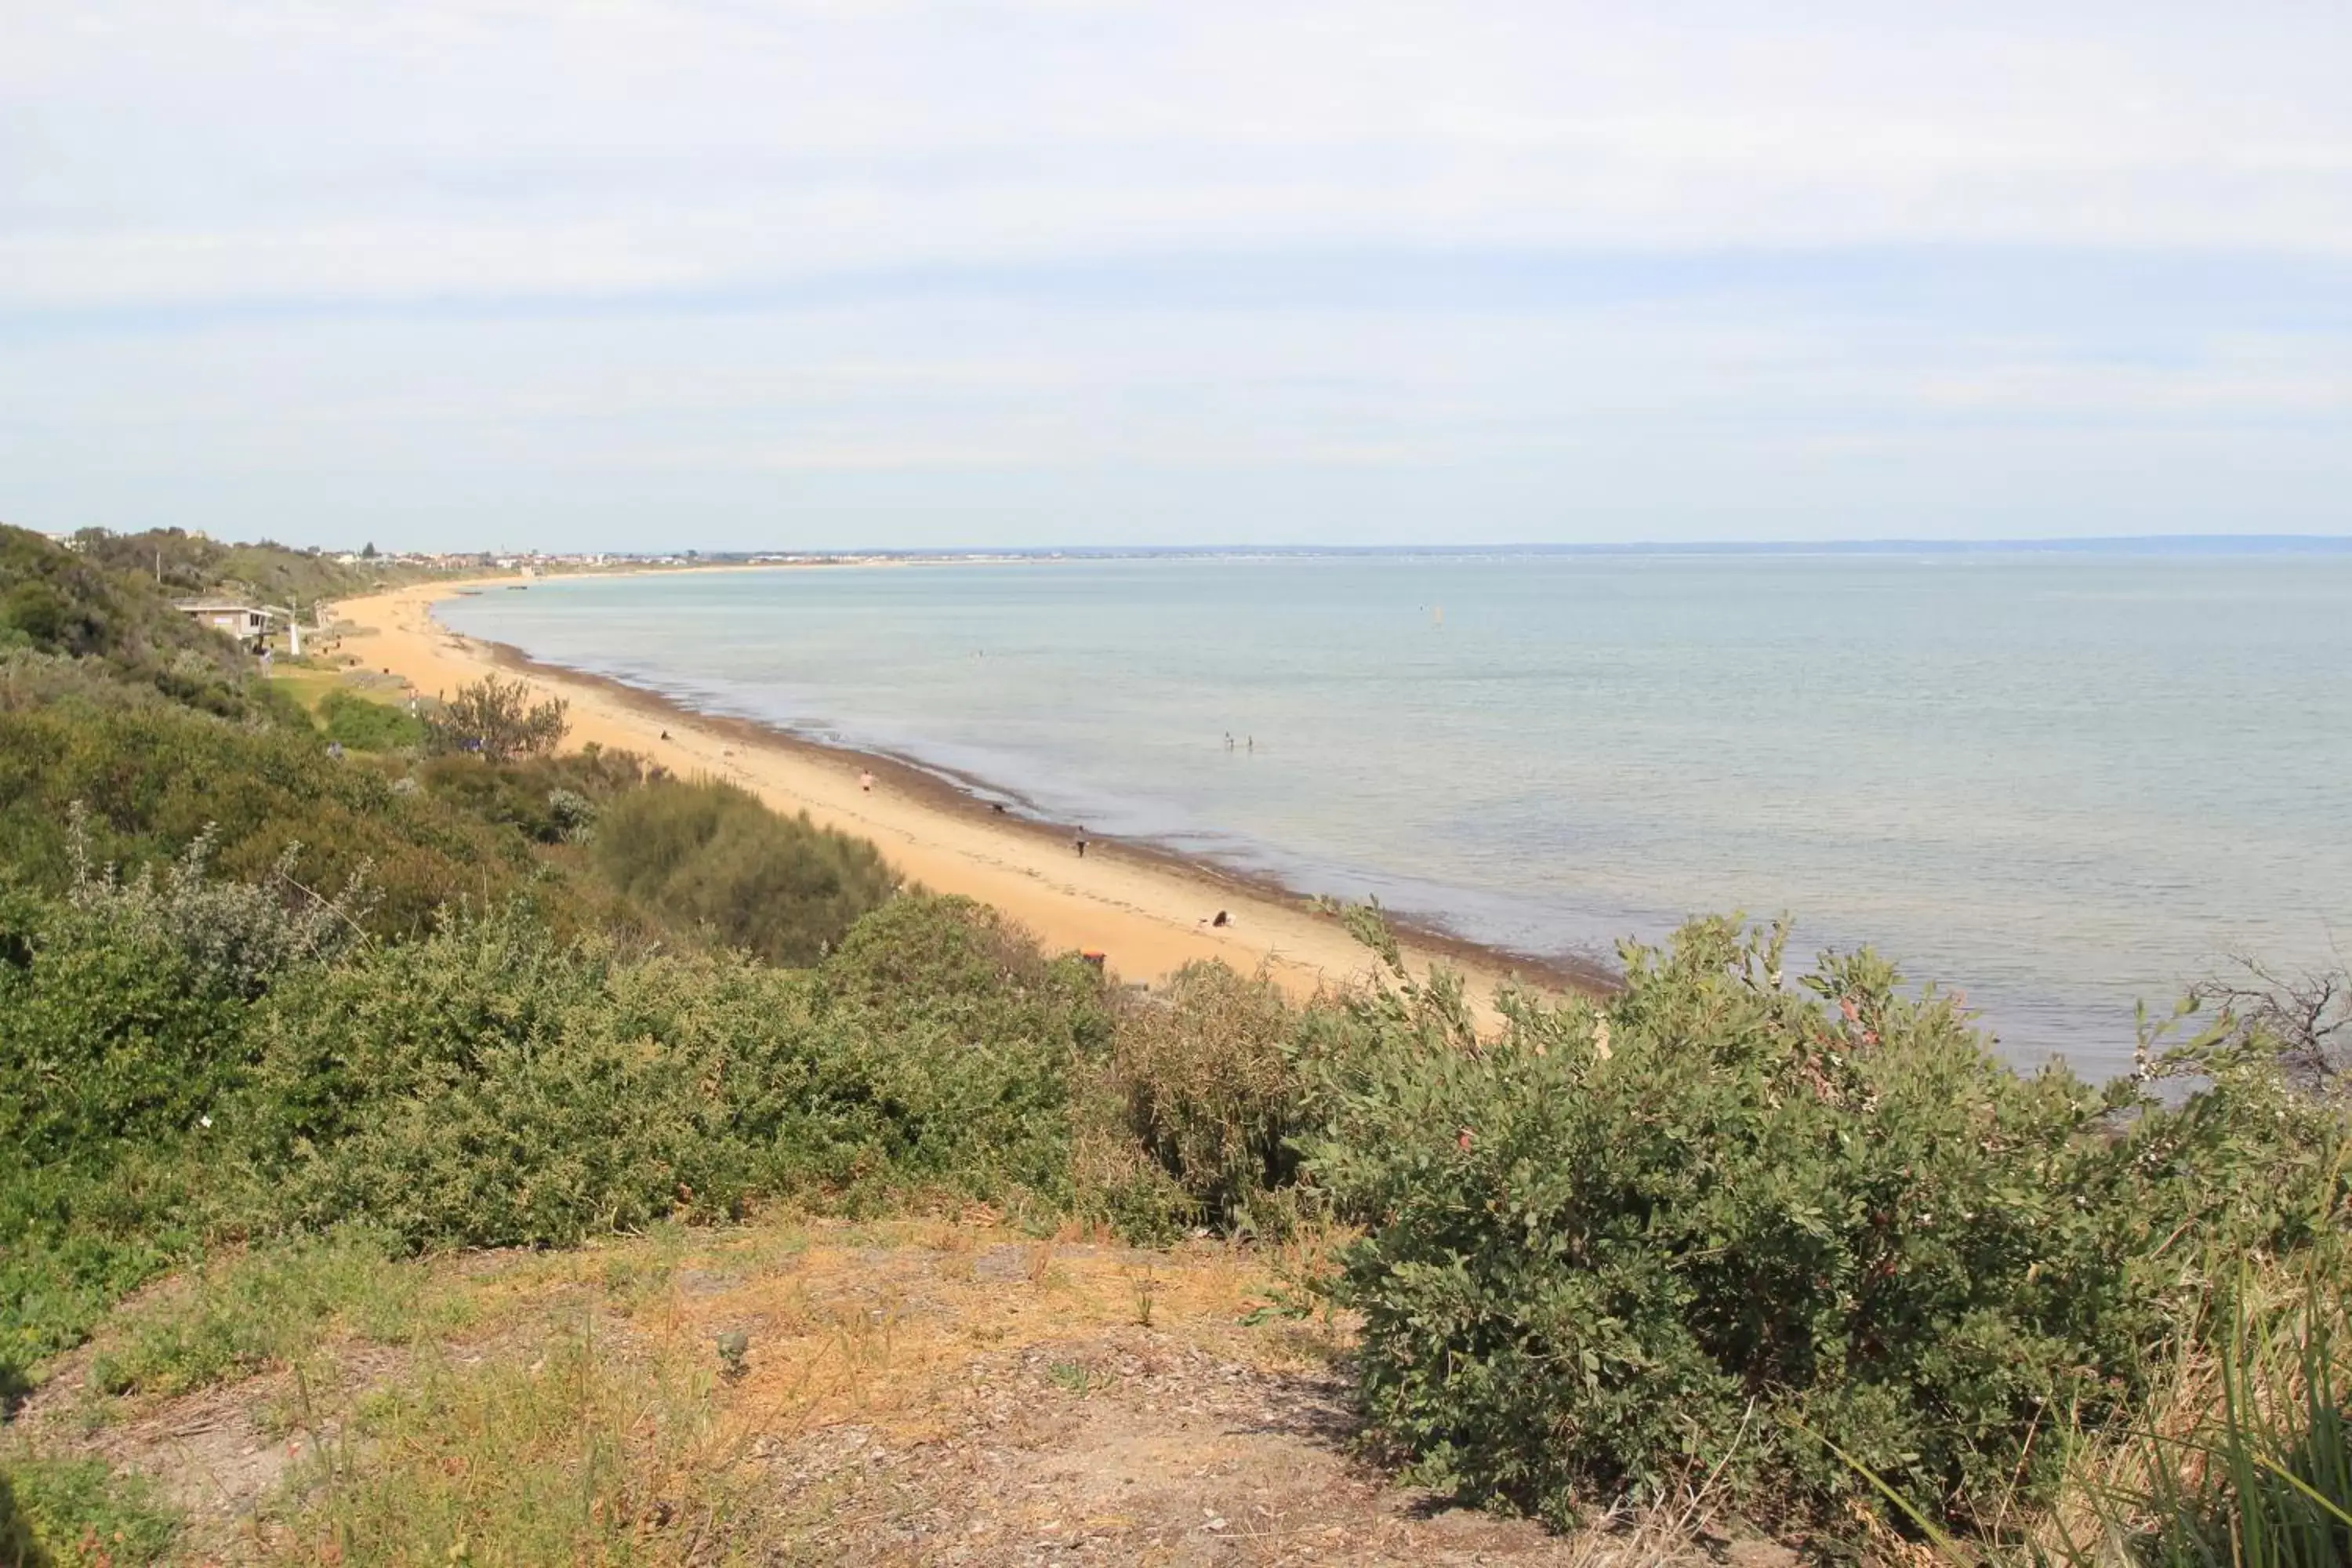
x=1779, y=1247
x=186, y=565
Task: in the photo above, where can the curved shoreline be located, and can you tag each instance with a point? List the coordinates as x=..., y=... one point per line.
x=1144, y=905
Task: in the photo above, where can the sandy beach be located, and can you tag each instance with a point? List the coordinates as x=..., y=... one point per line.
x=1149, y=912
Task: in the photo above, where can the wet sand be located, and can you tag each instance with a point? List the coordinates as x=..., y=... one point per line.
x=1147, y=910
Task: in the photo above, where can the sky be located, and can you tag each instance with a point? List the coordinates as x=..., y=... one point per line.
x=729, y=275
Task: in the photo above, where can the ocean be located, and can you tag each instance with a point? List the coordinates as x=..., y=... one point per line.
x=2062, y=783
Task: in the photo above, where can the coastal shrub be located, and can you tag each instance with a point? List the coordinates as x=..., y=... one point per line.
x=960, y=964
x=708, y=856
x=110, y=1031
x=350, y=719
x=117, y=1039
x=549, y=799
x=492, y=1085
x=497, y=721
x=155, y=778
x=1193, y=1109
x=238, y=936
x=1717, y=1224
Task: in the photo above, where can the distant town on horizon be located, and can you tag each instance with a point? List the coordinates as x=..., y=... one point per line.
x=505, y=559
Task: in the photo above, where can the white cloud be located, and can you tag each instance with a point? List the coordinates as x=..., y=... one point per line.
x=975, y=272
x=197, y=151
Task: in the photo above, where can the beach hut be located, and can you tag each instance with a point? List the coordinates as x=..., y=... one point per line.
x=242, y=622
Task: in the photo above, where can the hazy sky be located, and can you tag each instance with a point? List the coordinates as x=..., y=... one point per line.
x=737, y=273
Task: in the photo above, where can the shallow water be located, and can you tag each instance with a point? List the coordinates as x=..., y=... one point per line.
x=2059, y=782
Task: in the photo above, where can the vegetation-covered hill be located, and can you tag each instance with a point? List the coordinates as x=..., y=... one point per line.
x=110, y=634
x=184, y=564
x=1746, y=1240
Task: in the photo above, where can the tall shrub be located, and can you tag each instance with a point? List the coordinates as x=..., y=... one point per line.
x=1718, y=1224
x=1192, y=1110
x=497, y=721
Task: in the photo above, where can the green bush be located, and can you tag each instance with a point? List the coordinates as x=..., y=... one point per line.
x=108, y=1032
x=74, y=1237
x=709, y=856
x=1721, y=1223
x=1193, y=1109
x=122, y=1024
x=354, y=722
x=495, y=719
x=550, y=800
x=492, y=1085
x=153, y=778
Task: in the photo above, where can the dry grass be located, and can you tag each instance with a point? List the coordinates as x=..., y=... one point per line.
x=914, y=1391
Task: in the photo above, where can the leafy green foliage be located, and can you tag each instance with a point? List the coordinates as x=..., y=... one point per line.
x=709, y=856
x=154, y=778
x=1717, y=1221
x=113, y=1033
x=240, y=935
x=549, y=800
x=75, y=1235
x=491, y=1085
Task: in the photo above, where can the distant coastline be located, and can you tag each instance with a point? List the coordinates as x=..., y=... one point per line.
x=624, y=563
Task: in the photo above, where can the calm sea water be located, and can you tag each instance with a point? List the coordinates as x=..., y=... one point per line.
x=2061, y=782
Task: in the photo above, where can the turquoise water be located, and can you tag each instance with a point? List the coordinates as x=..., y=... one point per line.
x=2061, y=782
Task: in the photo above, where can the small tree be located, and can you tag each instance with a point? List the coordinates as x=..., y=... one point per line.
x=496, y=719
x=367, y=550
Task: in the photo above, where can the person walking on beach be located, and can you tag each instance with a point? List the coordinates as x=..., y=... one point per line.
x=865, y=780
x=1080, y=843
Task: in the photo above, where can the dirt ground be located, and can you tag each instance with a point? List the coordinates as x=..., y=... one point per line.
x=934, y=1393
